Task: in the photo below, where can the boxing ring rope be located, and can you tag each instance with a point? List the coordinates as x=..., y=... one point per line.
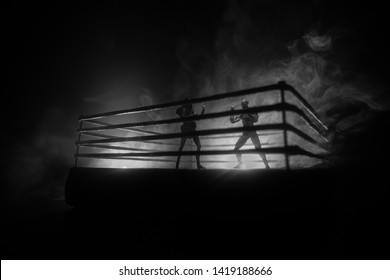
x=259, y=109
x=290, y=150
x=282, y=86
x=124, y=129
x=309, y=117
x=286, y=127
x=152, y=132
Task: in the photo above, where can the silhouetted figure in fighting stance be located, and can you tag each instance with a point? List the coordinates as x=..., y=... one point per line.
x=189, y=126
x=247, y=120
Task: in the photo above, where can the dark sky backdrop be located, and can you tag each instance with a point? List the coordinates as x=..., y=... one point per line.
x=57, y=55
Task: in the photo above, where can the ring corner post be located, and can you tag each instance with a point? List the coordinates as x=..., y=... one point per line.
x=77, y=144
x=282, y=85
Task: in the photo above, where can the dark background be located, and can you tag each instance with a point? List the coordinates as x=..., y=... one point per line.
x=56, y=56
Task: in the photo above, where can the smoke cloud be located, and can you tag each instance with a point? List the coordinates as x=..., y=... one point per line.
x=244, y=56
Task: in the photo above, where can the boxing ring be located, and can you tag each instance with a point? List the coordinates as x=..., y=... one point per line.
x=287, y=205
x=153, y=141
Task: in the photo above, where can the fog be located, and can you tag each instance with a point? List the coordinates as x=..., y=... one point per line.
x=65, y=61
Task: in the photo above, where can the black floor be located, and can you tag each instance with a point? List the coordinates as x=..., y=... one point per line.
x=329, y=214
